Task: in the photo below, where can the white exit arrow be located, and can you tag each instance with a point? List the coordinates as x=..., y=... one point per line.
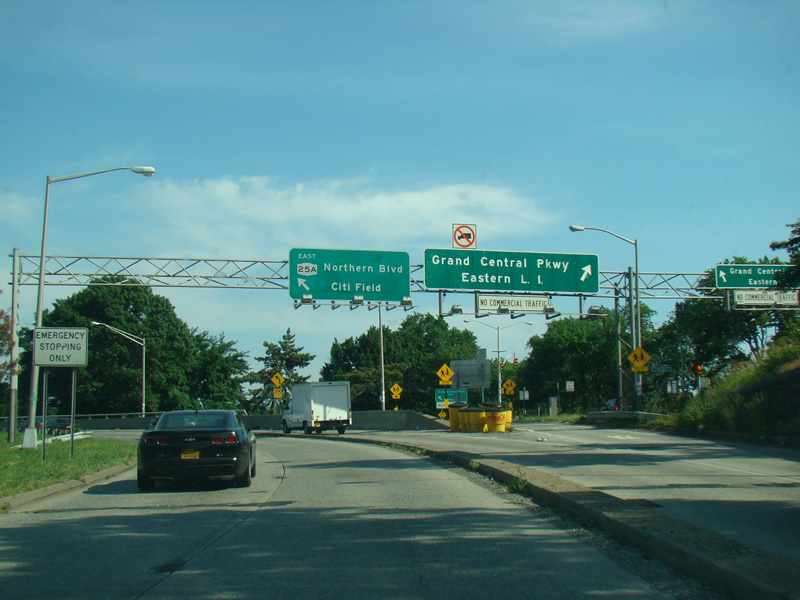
x=723, y=277
x=587, y=270
x=302, y=283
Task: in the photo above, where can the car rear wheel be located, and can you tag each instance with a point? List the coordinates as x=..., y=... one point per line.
x=245, y=479
x=286, y=428
x=252, y=467
x=145, y=483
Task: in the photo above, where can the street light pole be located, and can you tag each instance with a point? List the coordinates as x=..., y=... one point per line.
x=499, y=351
x=29, y=437
x=136, y=340
x=636, y=314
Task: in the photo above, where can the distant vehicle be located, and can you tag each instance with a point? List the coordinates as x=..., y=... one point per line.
x=612, y=404
x=318, y=406
x=196, y=444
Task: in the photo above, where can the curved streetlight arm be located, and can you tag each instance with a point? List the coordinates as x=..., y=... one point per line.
x=29, y=441
x=134, y=338
x=498, y=328
x=574, y=228
x=636, y=312
x=146, y=171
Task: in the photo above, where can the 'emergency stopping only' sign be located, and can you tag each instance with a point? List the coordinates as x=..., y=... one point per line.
x=61, y=346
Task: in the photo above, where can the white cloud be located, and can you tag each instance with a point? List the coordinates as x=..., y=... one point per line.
x=256, y=217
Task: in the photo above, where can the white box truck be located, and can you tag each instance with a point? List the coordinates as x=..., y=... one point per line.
x=318, y=406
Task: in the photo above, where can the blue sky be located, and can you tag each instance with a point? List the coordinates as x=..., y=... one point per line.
x=378, y=125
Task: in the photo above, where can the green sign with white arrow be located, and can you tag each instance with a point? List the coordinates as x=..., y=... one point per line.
x=748, y=276
x=346, y=274
x=488, y=270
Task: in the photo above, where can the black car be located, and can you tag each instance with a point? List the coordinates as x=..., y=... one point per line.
x=197, y=444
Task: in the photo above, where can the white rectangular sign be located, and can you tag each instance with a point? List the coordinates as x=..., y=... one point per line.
x=61, y=346
x=765, y=297
x=513, y=303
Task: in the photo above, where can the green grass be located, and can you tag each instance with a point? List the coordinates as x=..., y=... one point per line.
x=23, y=470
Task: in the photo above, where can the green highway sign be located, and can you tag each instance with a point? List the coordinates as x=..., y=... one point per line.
x=345, y=274
x=747, y=276
x=488, y=270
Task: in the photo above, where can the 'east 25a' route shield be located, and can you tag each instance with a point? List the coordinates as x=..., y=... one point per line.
x=488, y=270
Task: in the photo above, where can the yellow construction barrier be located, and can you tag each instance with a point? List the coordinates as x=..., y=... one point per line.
x=495, y=420
x=455, y=419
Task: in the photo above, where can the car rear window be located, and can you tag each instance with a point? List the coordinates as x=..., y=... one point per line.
x=194, y=421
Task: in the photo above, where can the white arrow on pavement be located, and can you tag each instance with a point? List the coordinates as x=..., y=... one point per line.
x=587, y=270
x=302, y=283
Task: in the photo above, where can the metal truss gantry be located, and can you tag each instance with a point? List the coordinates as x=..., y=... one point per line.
x=274, y=275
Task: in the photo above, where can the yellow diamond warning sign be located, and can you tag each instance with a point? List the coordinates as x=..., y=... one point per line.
x=277, y=380
x=445, y=375
x=639, y=358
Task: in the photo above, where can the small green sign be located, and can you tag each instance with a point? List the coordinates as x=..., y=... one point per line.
x=346, y=274
x=486, y=270
x=446, y=397
x=748, y=276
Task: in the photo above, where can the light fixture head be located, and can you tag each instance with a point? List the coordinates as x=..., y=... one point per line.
x=146, y=171
x=576, y=228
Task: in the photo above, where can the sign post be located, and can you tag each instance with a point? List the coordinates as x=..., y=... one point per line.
x=59, y=347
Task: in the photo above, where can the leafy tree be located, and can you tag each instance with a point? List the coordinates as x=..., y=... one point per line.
x=178, y=372
x=582, y=350
x=215, y=377
x=412, y=355
x=790, y=278
x=284, y=358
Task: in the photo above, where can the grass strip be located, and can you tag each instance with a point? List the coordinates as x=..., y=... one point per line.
x=23, y=470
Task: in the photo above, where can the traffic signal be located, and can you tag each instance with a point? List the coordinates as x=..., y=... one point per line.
x=699, y=371
x=516, y=361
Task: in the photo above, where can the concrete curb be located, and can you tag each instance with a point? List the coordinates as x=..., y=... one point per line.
x=740, y=571
x=64, y=486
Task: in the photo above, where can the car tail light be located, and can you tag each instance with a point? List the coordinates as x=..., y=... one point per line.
x=616, y=407
x=152, y=440
x=228, y=438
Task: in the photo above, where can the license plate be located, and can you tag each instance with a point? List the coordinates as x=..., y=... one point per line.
x=190, y=453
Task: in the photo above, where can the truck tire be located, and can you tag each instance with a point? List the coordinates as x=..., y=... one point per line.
x=341, y=429
x=286, y=429
x=306, y=428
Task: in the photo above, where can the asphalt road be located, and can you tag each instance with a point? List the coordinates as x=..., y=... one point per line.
x=746, y=492
x=322, y=520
